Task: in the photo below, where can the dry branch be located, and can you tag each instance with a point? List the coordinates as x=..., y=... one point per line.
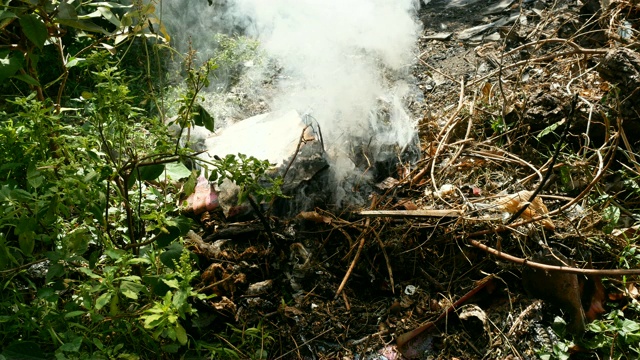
x=408, y=214
x=546, y=267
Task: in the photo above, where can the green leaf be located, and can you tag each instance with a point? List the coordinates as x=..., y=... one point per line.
x=151, y=321
x=92, y=15
x=77, y=241
x=138, y=261
x=66, y=11
x=27, y=242
x=10, y=63
x=172, y=283
x=150, y=172
x=21, y=195
x=159, y=287
x=611, y=215
x=89, y=273
x=133, y=278
x=103, y=300
x=115, y=254
x=177, y=227
x=55, y=271
x=630, y=326
x=34, y=178
x=98, y=343
x=47, y=293
x=177, y=171
x=165, y=238
x=171, y=348
x=184, y=223
x=180, y=299
x=27, y=78
x=72, y=346
x=549, y=129
x=7, y=15
x=130, y=294
x=72, y=314
x=34, y=29
x=73, y=61
x=113, y=305
x=130, y=289
x=181, y=334
x=107, y=14
x=261, y=354
x=190, y=185
x=172, y=253
x=85, y=25
x=110, y=4
x=203, y=118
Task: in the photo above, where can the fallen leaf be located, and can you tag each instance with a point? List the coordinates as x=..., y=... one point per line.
x=592, y=296
x=314, y=217
x=626, y=233
x=512, y=203
x=633, y=291
x=408, y=205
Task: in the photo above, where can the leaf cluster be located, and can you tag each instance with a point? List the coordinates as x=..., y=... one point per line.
x=92, y=261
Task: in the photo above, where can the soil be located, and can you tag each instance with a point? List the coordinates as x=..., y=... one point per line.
x=345, y=286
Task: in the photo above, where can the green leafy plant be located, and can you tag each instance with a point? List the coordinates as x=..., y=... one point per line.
x=558, y=349
x=251, y=176
x=246, y=343
x=499, y=126
x=163, y=318
x=92, y=263
x=616, y=336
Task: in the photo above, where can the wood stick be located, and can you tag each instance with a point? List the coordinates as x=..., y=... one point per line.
x=547, y=267
x=403, y=214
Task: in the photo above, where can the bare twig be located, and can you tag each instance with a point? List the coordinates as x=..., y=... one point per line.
x=362, y=237
x=539, y=60
x=550, y=168
x=546, y=267
x=304, y=343
x=22, y=267
x=601, y=169
x=446, y=131
x=355, y=260
x=265, y=222
x=402, y=214
x=386, y=259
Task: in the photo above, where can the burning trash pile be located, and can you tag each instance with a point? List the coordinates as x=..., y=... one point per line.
x=291, y=146
x=334, y=90
x=294, y=149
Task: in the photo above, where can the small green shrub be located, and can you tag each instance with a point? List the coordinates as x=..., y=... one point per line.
x=92, y=262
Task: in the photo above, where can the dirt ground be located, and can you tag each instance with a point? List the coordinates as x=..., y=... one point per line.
x=498, y=80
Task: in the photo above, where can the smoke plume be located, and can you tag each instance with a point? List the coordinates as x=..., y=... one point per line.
x=346, y=63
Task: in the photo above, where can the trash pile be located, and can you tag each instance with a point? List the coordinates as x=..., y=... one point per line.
x=501, y=240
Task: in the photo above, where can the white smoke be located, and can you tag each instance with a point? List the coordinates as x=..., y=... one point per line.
x=340, y=61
